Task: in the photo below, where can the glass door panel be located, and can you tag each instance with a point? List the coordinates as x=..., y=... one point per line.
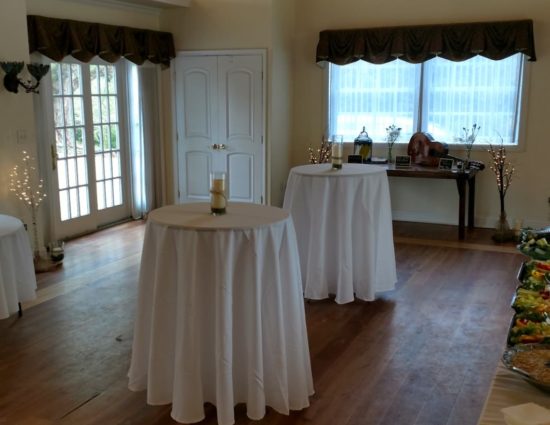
x=106, y=136
x=70, y=141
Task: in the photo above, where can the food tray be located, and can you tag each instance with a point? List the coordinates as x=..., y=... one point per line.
x=511, y=352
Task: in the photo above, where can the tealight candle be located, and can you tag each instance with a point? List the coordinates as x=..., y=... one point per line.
x=217, y=193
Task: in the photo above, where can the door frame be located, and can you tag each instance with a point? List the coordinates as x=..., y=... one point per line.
x=175, y=138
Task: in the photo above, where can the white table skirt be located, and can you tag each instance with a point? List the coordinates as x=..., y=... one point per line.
x=17, y=278
x=220, y=314
x=344, y=228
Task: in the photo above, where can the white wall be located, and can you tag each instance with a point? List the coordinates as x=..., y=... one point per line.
x=420, y=199
x=16, y=113
x=280, y=93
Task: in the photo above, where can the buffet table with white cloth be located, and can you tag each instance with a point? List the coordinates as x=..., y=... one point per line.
x=344, y=228
x=220, y=315
x=17, y=278
x=509, y=389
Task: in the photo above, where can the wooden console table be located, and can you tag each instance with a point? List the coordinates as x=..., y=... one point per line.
x=461, y=178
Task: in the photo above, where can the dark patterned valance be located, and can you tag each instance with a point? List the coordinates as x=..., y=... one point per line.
x=416, y=44
x=57, y=38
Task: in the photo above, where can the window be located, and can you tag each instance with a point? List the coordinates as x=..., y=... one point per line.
x=438, y=96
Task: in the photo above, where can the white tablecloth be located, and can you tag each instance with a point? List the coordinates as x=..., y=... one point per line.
x=220, y=314
x=17, y=278
x=344, y=229
x=509, y=389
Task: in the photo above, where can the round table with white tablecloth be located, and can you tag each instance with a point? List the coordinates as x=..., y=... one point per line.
x=17, y=278
x=220, y=315
x=344, y=228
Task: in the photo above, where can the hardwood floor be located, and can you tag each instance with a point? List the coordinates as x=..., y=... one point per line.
x=423, y=354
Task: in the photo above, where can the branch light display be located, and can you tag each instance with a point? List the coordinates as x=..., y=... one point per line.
x=504, y=172
x=323, y=153
x=25, y=184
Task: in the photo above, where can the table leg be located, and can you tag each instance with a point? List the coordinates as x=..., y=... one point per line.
x=471, y=201
x=461, y=186
x=20, y=312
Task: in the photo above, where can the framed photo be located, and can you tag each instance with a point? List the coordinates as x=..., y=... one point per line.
x=402, y=161
x=446, y=163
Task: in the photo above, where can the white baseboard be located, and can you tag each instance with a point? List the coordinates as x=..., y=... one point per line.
x=482, y=222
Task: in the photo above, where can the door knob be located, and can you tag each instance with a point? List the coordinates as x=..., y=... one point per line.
x=218, y=146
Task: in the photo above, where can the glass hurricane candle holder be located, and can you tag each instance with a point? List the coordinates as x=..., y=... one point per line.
x=337, y=152
x=218, y=198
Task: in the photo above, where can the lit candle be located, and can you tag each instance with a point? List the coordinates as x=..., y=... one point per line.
x=217, y=193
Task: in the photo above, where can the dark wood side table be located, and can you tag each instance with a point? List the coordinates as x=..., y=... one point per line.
x=461, y=178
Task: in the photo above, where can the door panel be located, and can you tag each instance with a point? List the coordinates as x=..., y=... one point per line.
x=197, y=103
x=219, y=108
x=241, y=178
x=198, y=168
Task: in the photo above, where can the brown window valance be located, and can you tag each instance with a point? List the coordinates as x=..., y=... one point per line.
x=416, y=44
x=57, y=38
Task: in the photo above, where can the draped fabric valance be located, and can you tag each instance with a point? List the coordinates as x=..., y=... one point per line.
x=57, y=38
x=416, y=44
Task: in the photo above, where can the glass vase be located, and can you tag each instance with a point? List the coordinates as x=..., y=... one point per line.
x=503, y=233
x=390, y=156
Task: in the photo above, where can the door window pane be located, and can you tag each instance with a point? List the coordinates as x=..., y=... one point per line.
x=62, y=174
x=100, y=195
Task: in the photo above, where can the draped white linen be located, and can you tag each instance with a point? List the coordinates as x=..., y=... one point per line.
x=17, y=278
x=344, y=229
x=220, y=315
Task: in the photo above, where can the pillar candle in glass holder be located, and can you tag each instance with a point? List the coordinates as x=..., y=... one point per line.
x=217, y=192
x=337, y=151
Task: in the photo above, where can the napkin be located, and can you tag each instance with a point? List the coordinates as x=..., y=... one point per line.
x=526, y=414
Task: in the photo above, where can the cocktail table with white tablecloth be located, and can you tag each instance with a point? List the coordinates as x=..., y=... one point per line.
x=344, y=228
x=17, y=278
x=220, y=315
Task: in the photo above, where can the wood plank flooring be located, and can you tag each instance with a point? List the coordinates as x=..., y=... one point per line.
x=423, y=354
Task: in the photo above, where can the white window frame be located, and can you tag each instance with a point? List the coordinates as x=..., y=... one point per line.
x=479, y=145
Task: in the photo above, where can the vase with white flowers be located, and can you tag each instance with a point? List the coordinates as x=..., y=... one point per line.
x=467, y=139
x=392, y=134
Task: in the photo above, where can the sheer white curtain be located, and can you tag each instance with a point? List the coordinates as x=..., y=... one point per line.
x=439, y=96
x=145, y=141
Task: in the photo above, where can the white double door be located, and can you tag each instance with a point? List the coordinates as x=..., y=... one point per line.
x=220, y=124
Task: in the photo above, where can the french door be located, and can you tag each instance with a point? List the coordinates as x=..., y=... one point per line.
x=88, y=179
x=220, y=123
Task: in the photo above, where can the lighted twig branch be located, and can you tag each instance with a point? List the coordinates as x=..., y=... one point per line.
x=503, y=170
x=26, y=185
x=322, y=154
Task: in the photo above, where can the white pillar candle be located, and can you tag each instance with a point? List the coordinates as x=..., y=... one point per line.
x=217, y=193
